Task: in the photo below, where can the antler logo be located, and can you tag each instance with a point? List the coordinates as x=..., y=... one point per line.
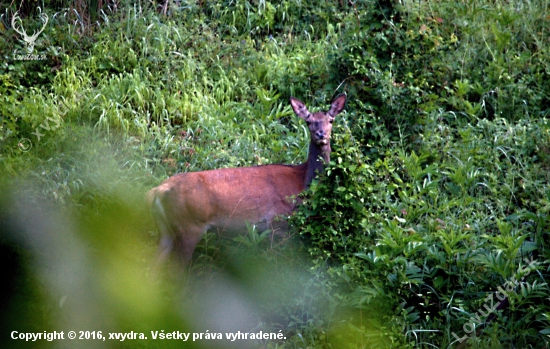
x=29, y=40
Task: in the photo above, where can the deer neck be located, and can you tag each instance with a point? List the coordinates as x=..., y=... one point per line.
x=318, y=156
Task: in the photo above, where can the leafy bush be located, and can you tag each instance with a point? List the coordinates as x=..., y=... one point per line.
x=436, y=194
x=406, y=61
x=335, y=209
x=435, y=233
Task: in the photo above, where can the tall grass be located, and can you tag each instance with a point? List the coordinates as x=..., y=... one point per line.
x=436, y=195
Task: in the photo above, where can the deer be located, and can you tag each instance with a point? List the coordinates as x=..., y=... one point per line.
x=29, y=39
x=188, y=204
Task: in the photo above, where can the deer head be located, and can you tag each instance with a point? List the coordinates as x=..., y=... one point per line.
x=29, y=40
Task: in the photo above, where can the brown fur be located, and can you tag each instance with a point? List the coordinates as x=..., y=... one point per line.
x=187, y=204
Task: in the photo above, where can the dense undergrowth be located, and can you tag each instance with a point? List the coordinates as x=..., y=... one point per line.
x=429, y=228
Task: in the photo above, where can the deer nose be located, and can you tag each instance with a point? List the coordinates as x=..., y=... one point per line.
x=320, y=134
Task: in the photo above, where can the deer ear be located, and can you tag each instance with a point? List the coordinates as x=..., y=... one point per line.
x=337, y=105
x=299, y=108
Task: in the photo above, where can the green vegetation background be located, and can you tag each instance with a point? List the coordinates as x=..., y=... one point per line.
x=430, y=227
